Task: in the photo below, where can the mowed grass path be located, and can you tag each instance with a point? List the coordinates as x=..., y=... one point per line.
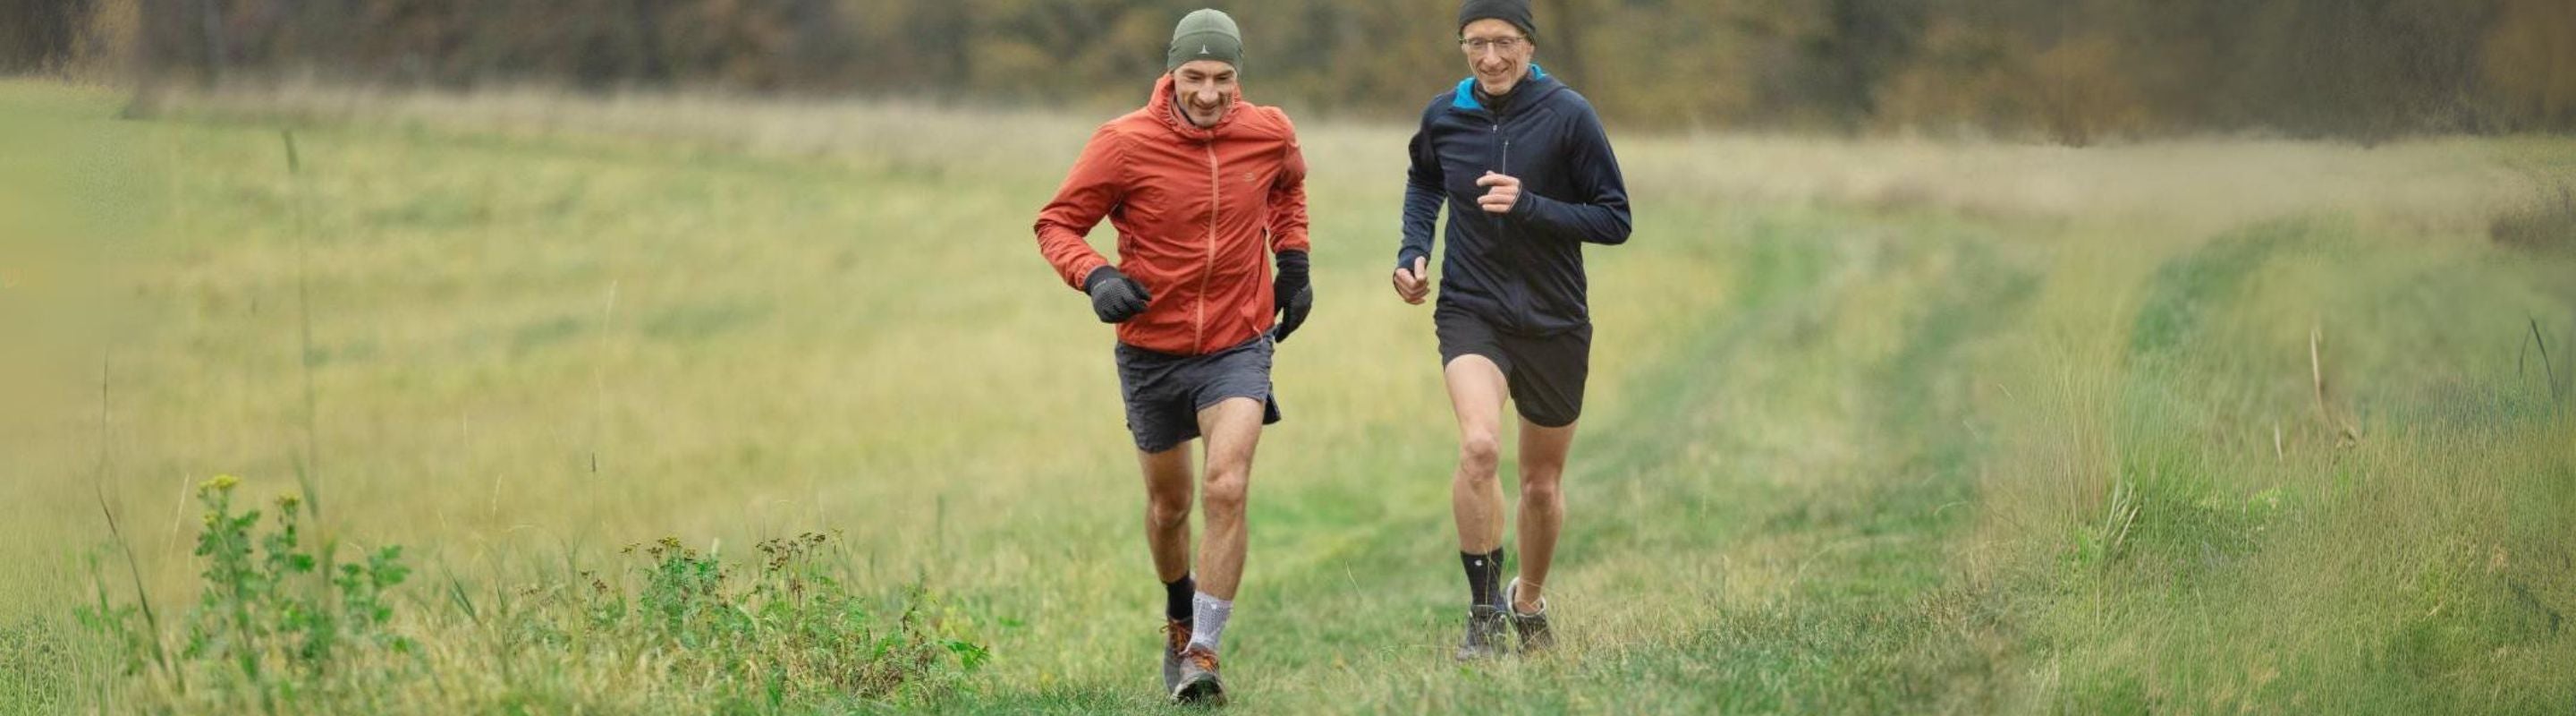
x=1873, y=427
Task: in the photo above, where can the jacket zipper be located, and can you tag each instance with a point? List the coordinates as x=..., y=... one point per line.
x=1207, y=265
x=1503, y=163
x=1503, y=166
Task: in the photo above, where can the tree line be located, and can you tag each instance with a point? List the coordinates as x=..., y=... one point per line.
x=2069, y=70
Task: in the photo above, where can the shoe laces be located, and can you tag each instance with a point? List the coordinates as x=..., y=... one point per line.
x=1205, y=659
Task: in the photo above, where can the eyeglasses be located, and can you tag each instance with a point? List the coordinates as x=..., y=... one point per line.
x=1475, y=45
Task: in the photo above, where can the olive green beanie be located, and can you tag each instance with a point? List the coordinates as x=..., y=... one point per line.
x=1205, y=35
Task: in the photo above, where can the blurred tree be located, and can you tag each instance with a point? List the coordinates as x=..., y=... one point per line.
x=40, y=35
x=1859, y=45
x=2068, y=70
x=2530, y=64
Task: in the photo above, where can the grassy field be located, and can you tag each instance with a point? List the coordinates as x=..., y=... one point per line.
x=1878, y=426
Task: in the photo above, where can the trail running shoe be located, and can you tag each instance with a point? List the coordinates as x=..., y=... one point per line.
x=1176, y=637
x=1198, y=683
x=1484, y=638
x=1535, y=634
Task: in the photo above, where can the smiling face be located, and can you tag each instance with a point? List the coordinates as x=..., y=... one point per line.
x=1497, y=54
x=1204, y=90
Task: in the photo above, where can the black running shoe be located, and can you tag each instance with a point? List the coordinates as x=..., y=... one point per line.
x=1535, y=634
x=1484, y=639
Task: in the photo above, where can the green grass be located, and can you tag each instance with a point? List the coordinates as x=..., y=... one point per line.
x=1874, y=427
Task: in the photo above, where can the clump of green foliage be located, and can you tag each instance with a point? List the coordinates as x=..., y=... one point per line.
x=278, y=617
x=786, y=627
x=280, y=624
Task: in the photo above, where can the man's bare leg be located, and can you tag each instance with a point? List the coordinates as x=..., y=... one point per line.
x=1232, y=428
x=1167, y=510
x=1543, y=452
x=1476, y=392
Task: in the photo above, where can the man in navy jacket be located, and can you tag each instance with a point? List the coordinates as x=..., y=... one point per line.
x=1528, y=176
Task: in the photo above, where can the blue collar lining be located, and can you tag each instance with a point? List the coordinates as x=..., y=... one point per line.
x=1466, y=98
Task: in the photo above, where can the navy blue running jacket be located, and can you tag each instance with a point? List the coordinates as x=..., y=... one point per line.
x=1521, y=271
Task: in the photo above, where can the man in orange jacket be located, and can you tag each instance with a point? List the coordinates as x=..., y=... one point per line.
x=1203, y=187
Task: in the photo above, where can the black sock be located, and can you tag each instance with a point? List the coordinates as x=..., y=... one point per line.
x=1484, y=576
x=1176, y=598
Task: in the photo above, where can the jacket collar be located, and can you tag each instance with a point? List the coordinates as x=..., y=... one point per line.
x=1165, y=110
x=1536, y=85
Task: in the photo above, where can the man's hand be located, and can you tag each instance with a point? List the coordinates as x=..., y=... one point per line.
x=1292, y=292
x=1412, y=283
x=1115, y=297
x=1502, y=192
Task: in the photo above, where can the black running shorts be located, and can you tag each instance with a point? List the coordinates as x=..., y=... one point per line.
x=1545, y=373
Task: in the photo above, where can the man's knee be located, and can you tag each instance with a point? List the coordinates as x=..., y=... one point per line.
x=1541, y=486
x=1168, y=510
x=1225, y=488
x=1479, y=455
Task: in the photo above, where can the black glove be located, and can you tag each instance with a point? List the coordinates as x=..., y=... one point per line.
x=1114, y=296
x=1295, y=297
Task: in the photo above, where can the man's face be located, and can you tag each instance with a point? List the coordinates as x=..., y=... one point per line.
x=1204, y=89
x=1497, y=53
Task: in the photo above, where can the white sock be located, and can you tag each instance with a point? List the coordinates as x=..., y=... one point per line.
x=1207, y=619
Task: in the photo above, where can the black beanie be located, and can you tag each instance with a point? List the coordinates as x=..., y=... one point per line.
x=1516, y=12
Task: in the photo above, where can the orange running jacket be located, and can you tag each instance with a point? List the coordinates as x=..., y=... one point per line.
x=1198, y=213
